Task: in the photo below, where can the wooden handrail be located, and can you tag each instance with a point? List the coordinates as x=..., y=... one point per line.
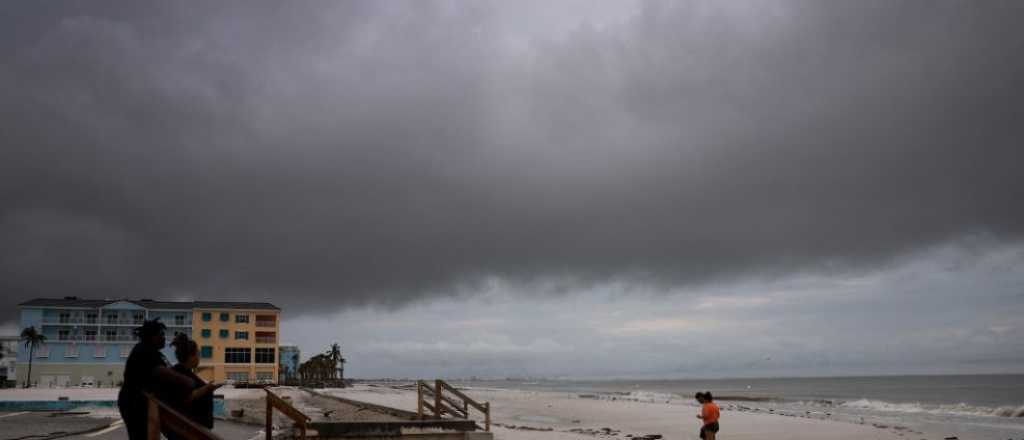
x=454, y=408
x=444, y=404
x=273, y=401
x=162, y=416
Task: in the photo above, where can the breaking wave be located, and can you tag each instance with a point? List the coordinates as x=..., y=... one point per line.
x=634, y=396
x=958, y=409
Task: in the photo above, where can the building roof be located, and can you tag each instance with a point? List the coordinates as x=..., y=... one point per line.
x=72, y=301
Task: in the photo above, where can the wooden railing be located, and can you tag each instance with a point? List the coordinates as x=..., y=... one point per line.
x=160, y=416
x=273, y=401
x=443, y=404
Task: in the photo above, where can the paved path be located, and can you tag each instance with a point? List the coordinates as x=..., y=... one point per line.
x=43, y=425
x=226, y=430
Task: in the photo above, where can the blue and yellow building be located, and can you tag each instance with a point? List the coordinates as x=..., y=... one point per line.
x=88, y=341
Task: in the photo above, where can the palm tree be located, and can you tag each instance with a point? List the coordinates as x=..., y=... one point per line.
x=334, y=354
x=32, y=339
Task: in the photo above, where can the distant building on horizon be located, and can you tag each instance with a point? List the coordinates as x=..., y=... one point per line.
x=89, y=340
x=9, y=360
x=290, y=357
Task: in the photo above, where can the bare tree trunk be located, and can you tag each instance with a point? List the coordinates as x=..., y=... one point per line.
x=31, y=352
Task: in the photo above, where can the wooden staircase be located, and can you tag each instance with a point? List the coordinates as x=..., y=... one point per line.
x=160, y=417
x=433, y=399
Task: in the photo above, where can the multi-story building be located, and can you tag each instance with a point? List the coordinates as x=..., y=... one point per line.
x=89, y=340
x=8, y=358
x=289, y=362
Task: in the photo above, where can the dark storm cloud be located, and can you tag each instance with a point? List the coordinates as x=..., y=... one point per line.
x=329, y=154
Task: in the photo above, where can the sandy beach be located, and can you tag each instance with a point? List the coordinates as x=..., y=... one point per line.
x=522, y=415
x=540, y=415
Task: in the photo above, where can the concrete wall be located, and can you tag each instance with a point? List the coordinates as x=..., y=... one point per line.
x=47, y=375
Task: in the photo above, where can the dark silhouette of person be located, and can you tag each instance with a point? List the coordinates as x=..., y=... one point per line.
x=146, y=370
x=196, y=402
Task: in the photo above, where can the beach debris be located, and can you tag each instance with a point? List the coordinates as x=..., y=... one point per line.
x=605, y=432
x=69, y=413
x=523, y=427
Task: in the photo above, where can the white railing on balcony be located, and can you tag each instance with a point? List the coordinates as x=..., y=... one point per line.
x=63, y=321
x=265, y=339
x=260, y=323
x=104, y=321
x=119, y=338
x=121, y=322
x=92, y=338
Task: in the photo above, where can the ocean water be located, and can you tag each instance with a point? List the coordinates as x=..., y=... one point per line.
x=985, y=407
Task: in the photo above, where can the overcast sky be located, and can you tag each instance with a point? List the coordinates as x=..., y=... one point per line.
x=534, y=188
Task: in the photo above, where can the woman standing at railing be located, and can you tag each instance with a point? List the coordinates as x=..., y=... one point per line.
x=145, y=371
x=197, y=403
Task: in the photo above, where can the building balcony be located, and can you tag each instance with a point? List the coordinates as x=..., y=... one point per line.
x=266, y=340
x=118, y=338
x=90, y=338
x=58, y=321
x=71, y=321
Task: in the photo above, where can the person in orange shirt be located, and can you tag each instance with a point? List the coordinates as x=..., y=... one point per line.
x=709, y=413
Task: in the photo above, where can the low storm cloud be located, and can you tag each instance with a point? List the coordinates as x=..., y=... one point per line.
x=330, y=156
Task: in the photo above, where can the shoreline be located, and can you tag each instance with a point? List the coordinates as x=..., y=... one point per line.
x=554, y=415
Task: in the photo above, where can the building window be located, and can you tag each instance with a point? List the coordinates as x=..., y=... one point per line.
x=71, y=351
x=224, y=333
x=206, y=352
x=207, y=316
x=265, y=356
x=266, y=321
x=238, y=377
x=266, y=337
x=179, y=320
x=99, y=351
x=224, y=317
x=137, y=318
x=126, y=350
x=264, y=376
x=110, y=335
x=237, y=355
x=90, y=318
x=242, y=318
x=241, y=336
x=90, y=335
x=63, y=335
x=111, y=318
x=64, y=318
x=206, y=333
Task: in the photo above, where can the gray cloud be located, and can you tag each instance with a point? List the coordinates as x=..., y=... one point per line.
x=945, y=310
x=328, y=155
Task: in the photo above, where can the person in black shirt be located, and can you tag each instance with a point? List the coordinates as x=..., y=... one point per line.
x=197, y=402
x=146, y=370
